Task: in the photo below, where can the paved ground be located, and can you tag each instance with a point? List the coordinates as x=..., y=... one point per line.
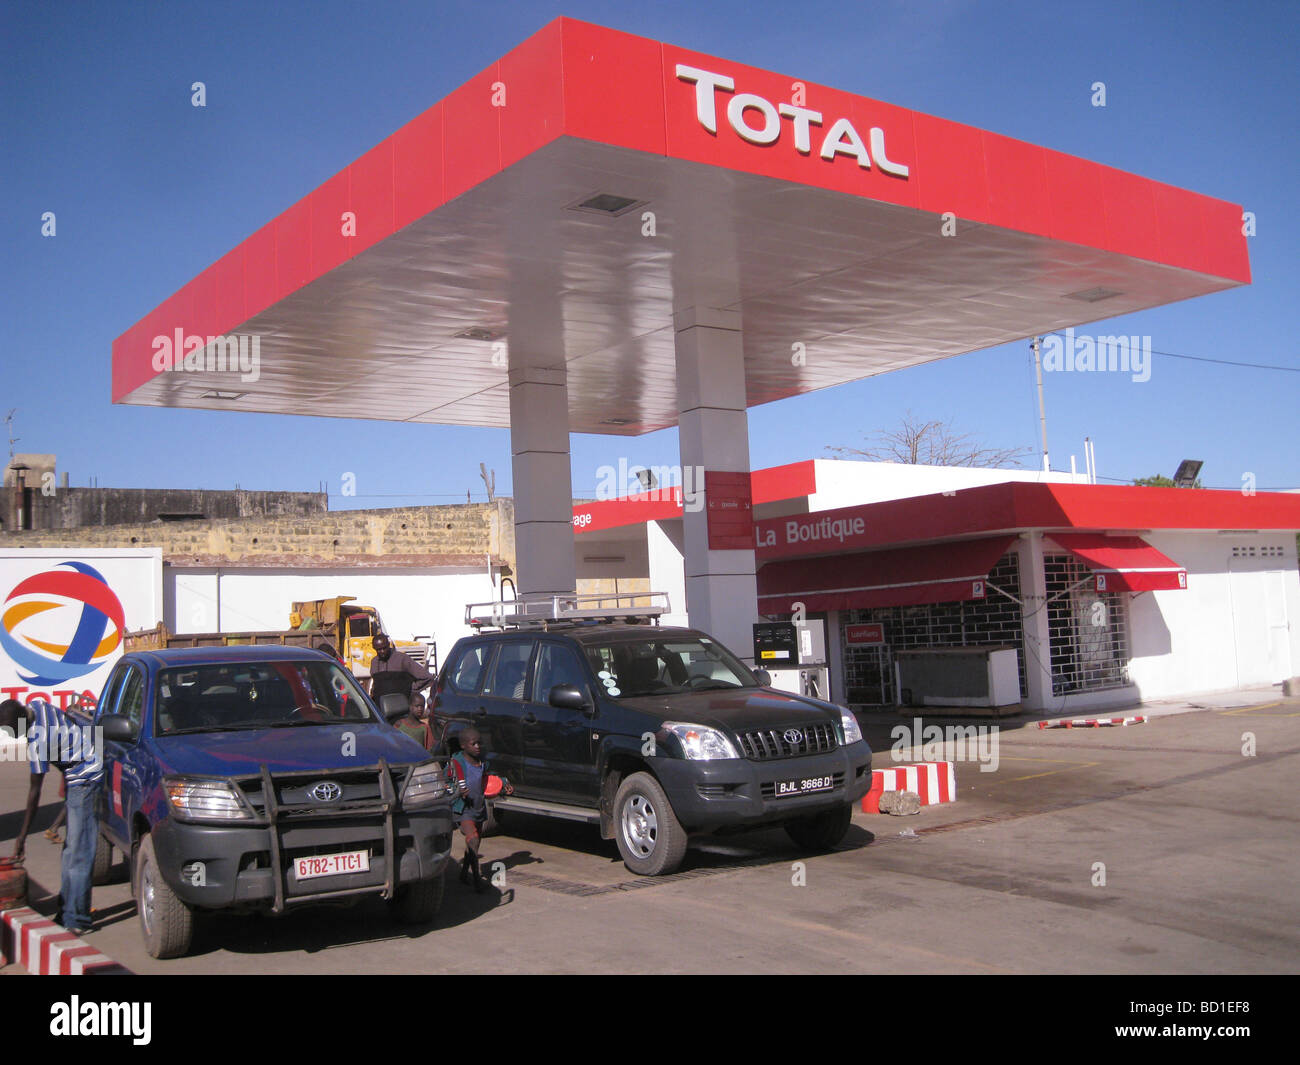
x=1198, y=843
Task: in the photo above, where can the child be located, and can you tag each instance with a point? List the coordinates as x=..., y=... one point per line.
x=470, y=806
x=416, y=724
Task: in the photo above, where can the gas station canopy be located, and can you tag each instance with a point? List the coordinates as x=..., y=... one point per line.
x=559, y=208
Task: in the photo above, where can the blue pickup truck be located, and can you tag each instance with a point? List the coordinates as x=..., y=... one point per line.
x=262, y=778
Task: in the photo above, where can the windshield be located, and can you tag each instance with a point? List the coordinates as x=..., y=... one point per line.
x=228, y=697
x=628, y=668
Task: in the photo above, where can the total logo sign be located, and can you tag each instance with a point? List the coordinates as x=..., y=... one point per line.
x=61, y=627
x=758, y=121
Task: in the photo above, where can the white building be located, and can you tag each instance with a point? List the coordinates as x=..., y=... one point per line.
x=1108, y=595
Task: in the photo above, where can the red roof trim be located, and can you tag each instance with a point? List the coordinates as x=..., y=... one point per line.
x=1018, y=506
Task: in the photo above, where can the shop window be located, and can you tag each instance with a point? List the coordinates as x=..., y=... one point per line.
x=994, y=621
x=1087, y=629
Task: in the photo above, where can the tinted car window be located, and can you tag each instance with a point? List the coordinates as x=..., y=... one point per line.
x=231, y=696
x=468, y=672
x=669, y=666
x=506, y=679
x=132, y=704
x=556, y=664
x=113, y=689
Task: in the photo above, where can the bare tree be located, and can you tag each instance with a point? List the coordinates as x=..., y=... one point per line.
x=489, y=482
x=933, y=443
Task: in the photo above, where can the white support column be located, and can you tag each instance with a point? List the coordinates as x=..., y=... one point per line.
x=1037, y=646
x=543, y=485
x=713, y=432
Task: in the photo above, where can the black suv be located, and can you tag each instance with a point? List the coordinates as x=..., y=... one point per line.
x=653, y=733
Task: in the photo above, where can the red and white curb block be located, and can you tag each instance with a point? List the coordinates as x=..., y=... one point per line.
x=1094, y=722
x=44, y=948
x=934, y=782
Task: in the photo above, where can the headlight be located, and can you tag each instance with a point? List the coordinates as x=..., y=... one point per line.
x=206, y=800
x=701, y=743
x=849, y=726
x=427, y=783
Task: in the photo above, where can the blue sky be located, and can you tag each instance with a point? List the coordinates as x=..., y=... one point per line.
x=96, y=125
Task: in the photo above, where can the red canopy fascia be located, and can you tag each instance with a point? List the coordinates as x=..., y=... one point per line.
x=576, y=81
x=936, y=573
x=1125, y=563
x=771, y=485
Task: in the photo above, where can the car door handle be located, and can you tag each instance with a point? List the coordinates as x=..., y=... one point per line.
x=530, y=718
x=480, y=712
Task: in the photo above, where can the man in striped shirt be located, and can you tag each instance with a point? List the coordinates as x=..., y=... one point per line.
x=56, y=738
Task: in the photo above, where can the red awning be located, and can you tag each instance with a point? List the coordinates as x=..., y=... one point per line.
x=906, y=576
x=1124, y=563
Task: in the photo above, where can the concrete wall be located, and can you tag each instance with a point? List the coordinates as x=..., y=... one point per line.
x=1236, y=625
x=411, y=601
x=418, y=566
x=456, y=535
x=72, y=508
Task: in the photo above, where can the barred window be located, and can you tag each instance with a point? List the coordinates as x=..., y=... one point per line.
x=1087, y=629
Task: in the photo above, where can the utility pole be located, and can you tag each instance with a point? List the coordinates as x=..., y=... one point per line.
x=9, y=428
x=1042, y=409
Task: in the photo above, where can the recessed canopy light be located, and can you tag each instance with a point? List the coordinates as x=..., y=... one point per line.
x=475, y=332
x=1093, y=295
x=606, y=203
x=617, y=421
x=216, y=393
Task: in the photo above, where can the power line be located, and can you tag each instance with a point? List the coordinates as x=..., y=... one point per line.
x=1221, y=362
x=1207, y=487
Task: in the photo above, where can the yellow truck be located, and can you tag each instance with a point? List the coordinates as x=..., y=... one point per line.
x=337, y=626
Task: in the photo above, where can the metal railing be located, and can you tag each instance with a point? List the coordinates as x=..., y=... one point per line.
x=543, y=611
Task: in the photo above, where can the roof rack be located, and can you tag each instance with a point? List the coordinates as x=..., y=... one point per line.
x=552, y=610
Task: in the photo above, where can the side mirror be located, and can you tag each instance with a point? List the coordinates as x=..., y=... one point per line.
x=569, y=697
x=764, y=678
x=118, y=728
x=394, y=705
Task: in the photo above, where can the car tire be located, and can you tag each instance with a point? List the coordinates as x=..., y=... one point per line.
x=420, y=902
x=101, y=872
x=650, y=838
x=822, y=831
x=166, y=923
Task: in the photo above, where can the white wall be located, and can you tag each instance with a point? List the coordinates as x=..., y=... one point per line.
x=843, y=483
x=1229, y=628
x=668, y=567
x=412, y=602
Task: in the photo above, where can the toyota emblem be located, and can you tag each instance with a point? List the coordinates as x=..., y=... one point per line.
x=326, y=791
x=792, y=736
